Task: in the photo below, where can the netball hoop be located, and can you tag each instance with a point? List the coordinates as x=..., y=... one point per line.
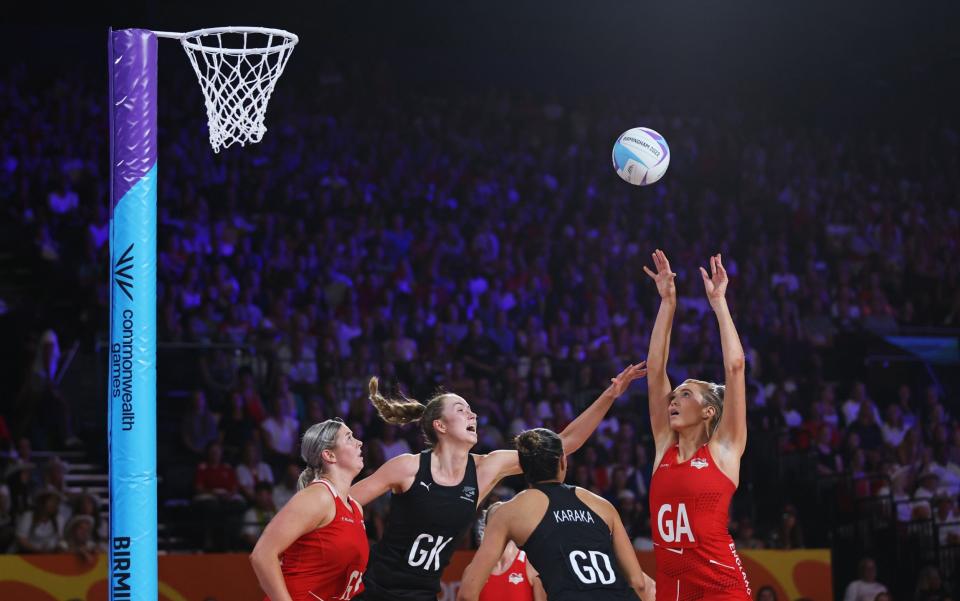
x=237, y=68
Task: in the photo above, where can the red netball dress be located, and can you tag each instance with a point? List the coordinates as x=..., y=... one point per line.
x=328, y=563
x=689, y=513
x=512, y=585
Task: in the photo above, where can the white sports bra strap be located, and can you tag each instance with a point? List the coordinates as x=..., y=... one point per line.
x=330, y=486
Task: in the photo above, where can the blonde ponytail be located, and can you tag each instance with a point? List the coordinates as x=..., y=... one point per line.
x=306, y=477
x=712, y=397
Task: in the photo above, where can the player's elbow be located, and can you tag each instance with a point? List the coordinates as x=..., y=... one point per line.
x=637, y=583
x=570, y=443
x=258, y=556
x=735, y=364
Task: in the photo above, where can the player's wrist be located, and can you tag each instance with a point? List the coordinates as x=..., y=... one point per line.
x=718, y=304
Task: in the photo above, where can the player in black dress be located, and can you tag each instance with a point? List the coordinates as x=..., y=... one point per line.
x=436, y=493
x=574, y=538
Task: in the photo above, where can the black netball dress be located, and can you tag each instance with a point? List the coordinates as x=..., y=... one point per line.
x=421, y=533
x=572, y=548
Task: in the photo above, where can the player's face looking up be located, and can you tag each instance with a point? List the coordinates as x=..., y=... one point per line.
x=347, y=450
x=457, y=421
x=686, y=406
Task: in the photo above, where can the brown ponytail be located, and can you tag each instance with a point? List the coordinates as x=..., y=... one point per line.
x=406, y=410
x=395, y=411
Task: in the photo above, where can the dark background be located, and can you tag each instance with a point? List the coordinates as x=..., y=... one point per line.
x=814, y=60
x=875, y=66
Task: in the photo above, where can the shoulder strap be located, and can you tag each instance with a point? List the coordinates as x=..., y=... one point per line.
x=337, y=501
x=572, y=491
x=424, y=473
x=355, y=506
x=671, y=454
x=471, y=475
x=705, y=452
x=330, y=487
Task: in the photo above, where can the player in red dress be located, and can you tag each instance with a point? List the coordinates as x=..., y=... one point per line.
x=513, y=578
x=697, y=465
x=316, y=546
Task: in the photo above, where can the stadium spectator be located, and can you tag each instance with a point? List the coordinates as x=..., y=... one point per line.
x=865, y=587
x=78, y=538
x=279, y=434
x=217, y=498
x=256, y=518
x=252, y=471
x=39, y=529
x=198, y=426
x=930, y=586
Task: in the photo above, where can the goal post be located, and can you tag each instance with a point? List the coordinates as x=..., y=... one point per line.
x=237, y=68
x=132, y=378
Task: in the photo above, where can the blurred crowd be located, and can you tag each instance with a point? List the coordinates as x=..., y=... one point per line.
x=483, y=244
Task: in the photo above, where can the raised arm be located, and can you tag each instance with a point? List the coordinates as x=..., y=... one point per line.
x=396, y=475
x=494, y=466
x=579, y=430
x=732, y=429
x=658, y=383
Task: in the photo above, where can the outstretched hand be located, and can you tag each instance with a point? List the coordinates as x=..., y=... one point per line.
x=715, y=284
x=664, y=276
x=620, y=384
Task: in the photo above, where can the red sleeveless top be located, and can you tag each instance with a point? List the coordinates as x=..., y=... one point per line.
x=328, y=563
x=512, y=585
x=689, y=513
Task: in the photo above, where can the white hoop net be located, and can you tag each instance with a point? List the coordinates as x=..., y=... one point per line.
x=237, y=68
